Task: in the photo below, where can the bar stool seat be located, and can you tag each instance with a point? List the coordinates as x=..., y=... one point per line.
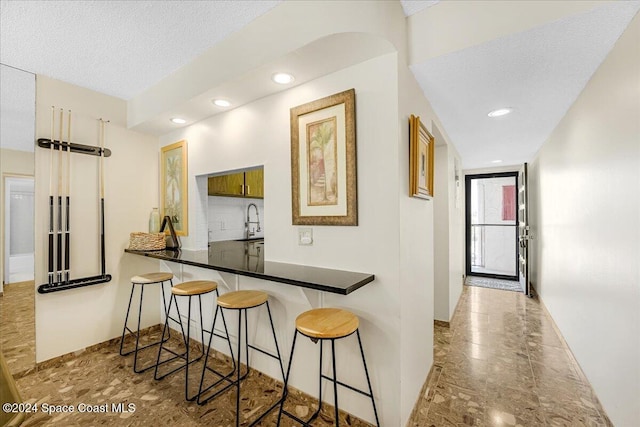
x=143, y=280
x=148, y=278
x=195, y=288
x=329, y=324
x=240, y=301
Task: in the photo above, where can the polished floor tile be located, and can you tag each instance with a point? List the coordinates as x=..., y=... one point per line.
x=102, y=377
x=17, y=326
x=502, y=363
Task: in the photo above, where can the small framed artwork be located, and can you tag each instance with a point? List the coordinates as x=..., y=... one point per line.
x=323, y=161
x=173, y=186
x=421, y=151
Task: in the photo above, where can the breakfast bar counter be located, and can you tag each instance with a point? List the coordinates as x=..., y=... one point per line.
x=246, y=258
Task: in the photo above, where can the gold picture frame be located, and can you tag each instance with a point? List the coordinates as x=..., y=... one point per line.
x=174, y=197
x=421, y=152
x=323, y=161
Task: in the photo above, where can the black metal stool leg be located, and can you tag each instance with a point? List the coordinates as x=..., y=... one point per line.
x=286, y=378
x=223, y=377
x=188, y=342
x=313, y=417
x=275, y=340
x=164, y=304
x=135, y=357
x=239, y=366
x=236, y=383
x=226, y=330
x=335, y=382
x=366, y=372
x=126, y=319
x=164, y=329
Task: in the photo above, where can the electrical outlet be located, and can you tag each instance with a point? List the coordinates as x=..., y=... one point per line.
x=305, y=236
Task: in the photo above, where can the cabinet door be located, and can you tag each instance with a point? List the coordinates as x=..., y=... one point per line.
x=254, y=183
x=227, y=185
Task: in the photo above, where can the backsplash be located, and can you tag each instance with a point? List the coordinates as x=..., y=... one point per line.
x=226, y=217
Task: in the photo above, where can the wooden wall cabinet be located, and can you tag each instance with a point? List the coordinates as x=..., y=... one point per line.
x=254, y=183
x=240, y=184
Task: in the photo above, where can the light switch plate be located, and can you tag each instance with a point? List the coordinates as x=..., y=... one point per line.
x=305, y=236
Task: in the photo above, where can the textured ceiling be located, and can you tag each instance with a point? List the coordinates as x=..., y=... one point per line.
x=539, y=73
x=411, y=7
x=17, y=111
x=122, y=48
x=116, y=47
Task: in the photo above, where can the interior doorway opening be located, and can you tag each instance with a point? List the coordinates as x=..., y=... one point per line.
x=491, y=225
x=18, y=229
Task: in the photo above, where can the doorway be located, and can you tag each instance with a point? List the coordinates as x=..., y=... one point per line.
x=18, y=229
x=491, y=225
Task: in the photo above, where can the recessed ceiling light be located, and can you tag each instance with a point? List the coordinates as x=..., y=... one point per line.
x=222, y=103
x=282, y=78
x=178, y=121
x=500, y=112
x=496, y=161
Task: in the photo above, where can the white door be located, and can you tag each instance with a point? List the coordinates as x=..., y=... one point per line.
x=523, y=231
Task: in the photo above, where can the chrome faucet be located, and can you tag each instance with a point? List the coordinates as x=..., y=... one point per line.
x=247, y=224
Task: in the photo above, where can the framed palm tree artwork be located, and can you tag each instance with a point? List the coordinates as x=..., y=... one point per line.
x=421, y=152
x=323, y=161
x=173, y=186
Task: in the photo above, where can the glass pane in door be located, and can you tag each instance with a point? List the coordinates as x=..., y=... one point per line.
x=493, y=226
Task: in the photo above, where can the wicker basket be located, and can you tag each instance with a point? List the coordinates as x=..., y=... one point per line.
x=139, y=241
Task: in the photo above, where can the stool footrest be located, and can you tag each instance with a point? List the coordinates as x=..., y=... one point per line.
x=263, y=351
x=126, y=353
x=176, y=356
x=347, y=386
x=222, y=390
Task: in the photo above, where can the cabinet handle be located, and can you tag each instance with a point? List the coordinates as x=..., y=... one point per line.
x=242, y=189
x=248, y=190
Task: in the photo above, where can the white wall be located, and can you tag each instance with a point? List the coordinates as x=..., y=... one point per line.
x=225, y=142
x=416, y=251
x=441, y=234
x=74, y=319
x=456, y=229
x=448, y=229
x=585, y=191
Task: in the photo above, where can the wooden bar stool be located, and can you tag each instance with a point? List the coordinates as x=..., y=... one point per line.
x=330, y=324
x=143, y=280
x=241, y=301
x=187, y=289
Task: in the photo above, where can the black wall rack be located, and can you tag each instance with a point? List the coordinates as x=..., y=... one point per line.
x=75, y=148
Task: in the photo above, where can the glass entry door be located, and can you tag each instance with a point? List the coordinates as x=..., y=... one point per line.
x=492, y=226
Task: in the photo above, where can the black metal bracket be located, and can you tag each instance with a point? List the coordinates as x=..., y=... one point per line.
x=75, y=148
x=72, y=284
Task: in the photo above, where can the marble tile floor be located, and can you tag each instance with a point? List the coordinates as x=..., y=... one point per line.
x=501, y=362
x=101, y=376
x=17, y=326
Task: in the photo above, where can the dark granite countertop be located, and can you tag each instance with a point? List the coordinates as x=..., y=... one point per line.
x=247, y=258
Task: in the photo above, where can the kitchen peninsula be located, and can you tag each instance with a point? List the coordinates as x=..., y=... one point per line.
x=246, y=258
